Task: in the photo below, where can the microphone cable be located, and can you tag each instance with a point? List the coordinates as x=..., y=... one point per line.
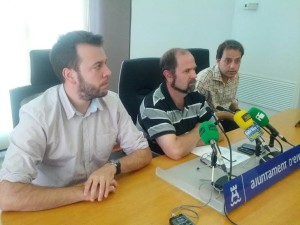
x=284, y=140
x=230, y=173
x=193, y=214
x=290, y=144
x=227, y=216
x=230, y=156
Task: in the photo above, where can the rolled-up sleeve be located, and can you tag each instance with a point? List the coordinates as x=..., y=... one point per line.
x=130, y=138
x=25, y=151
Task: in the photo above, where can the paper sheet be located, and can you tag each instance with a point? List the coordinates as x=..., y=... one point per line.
x=206, y=150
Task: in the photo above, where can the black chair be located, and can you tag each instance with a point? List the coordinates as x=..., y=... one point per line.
x=138, y=77
x=201, y=56
x=42, y=77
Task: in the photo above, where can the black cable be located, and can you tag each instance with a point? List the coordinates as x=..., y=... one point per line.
x=230, y=151
x=189, y=208
x=227, y=216
x=230, y=169
x=209, y=110
x=283, y=139
x=281, y=148
x=286, y=141
x=290, y=144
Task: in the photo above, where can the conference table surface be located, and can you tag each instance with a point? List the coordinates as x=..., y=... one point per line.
x=142, y=198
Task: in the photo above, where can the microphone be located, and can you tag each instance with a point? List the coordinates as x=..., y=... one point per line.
x=220, y=108
x=209, y=135
x=252, y=132
x=263, y=121
x=244, y=121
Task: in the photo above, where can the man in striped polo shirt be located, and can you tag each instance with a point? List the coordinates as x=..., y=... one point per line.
x=170, y=116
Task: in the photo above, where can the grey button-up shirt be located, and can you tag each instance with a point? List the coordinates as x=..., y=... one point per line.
x=54, y=145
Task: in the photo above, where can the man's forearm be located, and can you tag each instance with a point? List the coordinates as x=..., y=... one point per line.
x=224, y=115
x=28, y=197
x=136, y=160
x=234, y=106
x=191, y=139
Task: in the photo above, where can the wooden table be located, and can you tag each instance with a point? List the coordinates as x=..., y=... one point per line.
x=142, y=198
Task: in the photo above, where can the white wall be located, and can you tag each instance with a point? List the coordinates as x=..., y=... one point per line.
x=270, y=34
x=271, y=37
x=158, y=25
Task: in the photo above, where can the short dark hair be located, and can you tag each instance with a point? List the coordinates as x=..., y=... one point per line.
x=229, y=44
x=168, y=60
x=64, y=54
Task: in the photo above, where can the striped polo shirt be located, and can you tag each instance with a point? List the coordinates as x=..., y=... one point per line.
x=159, y=115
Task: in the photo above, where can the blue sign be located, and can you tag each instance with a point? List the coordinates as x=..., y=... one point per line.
x=247, y=185
x=253, y=132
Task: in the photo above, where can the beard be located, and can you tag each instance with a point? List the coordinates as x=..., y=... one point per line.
x=190, y=87
x=87, y=91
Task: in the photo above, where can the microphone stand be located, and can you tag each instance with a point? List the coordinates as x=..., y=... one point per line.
x=216, y=154
x=271, y=142
x=213, y=165
x=258, y=151
x=272, y=139
x=218, y=184
x=212, y=113
x=273, y=134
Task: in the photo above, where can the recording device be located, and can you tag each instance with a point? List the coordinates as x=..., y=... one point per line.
x=209, y=135
x=263, y=121
x=220, y=108
x=248, y=149
x=180, y=219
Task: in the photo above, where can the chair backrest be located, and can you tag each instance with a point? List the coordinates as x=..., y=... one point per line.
x=138, y=77
x=42, y=77
x=201, y=56
x=41, y=68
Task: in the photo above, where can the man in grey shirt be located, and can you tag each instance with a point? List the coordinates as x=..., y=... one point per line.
x=59, y=152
